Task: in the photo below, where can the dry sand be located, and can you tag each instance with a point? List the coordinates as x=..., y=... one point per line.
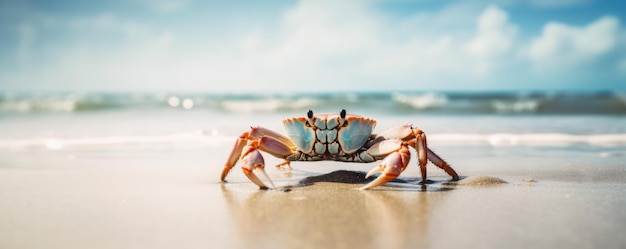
x=172, y=199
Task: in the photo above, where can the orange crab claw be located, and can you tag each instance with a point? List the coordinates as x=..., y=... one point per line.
x=391, y=167
x=253, y=164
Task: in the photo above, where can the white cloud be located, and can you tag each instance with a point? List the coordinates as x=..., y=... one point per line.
x=495, y=38
x=563, y=46
x=440, y=53
x=315, y=31
x=336, y=45
x=313, y=46
x=88, y=53
x=495, y=35
x=317, y=45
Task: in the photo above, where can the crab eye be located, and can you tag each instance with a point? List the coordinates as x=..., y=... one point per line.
x=310, y=120
x=342, y=117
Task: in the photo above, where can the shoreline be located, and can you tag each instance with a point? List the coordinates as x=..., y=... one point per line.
x=151, y=199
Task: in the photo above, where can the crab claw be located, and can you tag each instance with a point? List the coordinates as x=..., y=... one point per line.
x=253, y=164
x=391, y=167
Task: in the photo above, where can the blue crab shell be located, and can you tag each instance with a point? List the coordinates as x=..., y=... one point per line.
x=329, y=134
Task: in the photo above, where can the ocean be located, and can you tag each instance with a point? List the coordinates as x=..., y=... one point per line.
x=600, y=102
x=551, y=119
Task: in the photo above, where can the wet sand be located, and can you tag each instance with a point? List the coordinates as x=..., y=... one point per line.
x=171, y=198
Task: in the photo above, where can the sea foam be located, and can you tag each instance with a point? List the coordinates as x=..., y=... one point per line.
x=215, y=139
x=498, y=103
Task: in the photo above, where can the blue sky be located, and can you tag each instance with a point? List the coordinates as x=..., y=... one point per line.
x=322, y=46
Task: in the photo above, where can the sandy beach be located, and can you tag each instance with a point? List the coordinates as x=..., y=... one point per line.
x=171, y=197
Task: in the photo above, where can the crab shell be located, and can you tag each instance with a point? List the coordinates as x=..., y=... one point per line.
x=329, y=134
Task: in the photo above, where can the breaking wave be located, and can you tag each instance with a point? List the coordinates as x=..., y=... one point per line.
x=421, y=101
x=215, y=139
x=268, y=105
x=533, y=139
x=380, y=102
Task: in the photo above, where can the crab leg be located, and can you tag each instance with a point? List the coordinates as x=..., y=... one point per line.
x=235, y=153
x=247, y=149
x=257, y=132
x=421, y=148
x=418, y=139
x=439, y=162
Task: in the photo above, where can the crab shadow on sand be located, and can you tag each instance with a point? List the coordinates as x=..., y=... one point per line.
x=327, y=211
x=358, y=177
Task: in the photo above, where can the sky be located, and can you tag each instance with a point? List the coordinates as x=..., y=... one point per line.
x=311, y=45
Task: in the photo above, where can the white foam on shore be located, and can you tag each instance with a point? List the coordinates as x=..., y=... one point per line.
x=534, y=139
x=214, y=138
x=208, y=138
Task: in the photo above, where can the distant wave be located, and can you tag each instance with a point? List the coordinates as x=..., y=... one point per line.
x=268, y=104
x=391, y=102
x=532, y=139
x=215, y=139
x=421, y=101
x=27, y=103
x=57, y=143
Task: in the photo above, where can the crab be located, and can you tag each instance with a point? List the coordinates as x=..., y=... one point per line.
x=335, y=137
